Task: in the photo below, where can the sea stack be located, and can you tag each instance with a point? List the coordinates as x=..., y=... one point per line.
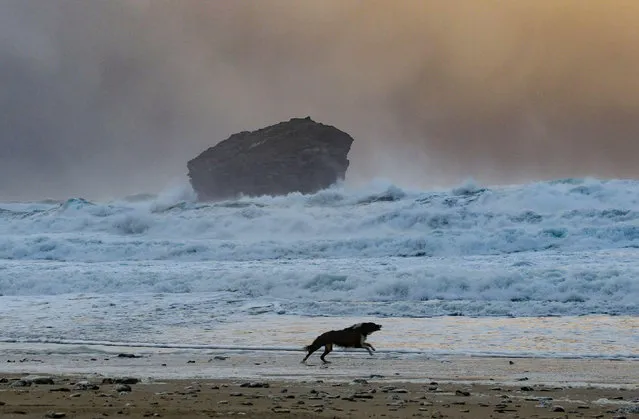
x=299, y=155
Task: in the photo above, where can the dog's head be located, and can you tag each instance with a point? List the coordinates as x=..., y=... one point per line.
x=367, y=328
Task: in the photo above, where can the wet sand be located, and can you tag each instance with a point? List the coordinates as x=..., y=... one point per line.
x=269, y=385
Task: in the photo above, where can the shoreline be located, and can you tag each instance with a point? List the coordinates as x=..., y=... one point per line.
x=157, y=364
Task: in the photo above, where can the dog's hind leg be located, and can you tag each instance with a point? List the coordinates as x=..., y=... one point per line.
x=310, y=349
x=327, y=350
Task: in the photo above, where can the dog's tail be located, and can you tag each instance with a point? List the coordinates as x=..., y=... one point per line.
x=315, y=345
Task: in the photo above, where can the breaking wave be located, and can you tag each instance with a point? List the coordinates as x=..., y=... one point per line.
x=562, y=247
x=567, y=215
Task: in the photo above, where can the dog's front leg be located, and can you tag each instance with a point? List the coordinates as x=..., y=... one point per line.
x=368, y=347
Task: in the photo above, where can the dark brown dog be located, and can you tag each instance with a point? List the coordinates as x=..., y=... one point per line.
x=351, y=337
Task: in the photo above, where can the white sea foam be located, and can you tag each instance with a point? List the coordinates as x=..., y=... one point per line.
x=548, y=248
x=572, y=215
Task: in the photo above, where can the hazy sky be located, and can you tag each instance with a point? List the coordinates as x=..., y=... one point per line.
x=106, y=98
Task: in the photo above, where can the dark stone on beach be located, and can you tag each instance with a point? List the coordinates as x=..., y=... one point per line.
x=399, y=391
x=129, y=356
x=281, y=410
x=299, y=155
x=558, y=409
x=85, y=385
x=527, y=388
x=462, y=393
x=20, y=383
x=55, y=415
x=255, y=385
x=127, y=380
x=123, y=380
x=123, y=388
x=189, y=391
x=61, y=390
x=220, y=358
x=4, y=380
x=41, y=380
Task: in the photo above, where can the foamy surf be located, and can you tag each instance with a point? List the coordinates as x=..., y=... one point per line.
x=574, y=215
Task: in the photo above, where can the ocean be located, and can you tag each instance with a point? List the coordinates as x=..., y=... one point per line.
x=545, y=269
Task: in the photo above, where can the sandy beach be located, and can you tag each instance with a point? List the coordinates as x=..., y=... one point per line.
x=75, y=397
x=272, y=384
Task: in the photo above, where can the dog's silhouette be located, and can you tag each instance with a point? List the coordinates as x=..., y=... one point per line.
x=351, y=337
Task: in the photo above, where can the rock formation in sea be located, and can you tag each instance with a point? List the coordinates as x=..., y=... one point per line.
x=299, y=155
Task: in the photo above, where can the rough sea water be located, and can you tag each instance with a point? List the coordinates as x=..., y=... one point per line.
x=542, y=269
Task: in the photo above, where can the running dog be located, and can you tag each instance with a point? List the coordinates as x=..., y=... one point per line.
x=351, y=337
